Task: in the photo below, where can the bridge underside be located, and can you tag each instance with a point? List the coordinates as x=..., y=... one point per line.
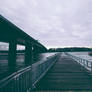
x=66, y=74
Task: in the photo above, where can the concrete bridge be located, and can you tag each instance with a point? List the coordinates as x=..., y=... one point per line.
x=56, y=72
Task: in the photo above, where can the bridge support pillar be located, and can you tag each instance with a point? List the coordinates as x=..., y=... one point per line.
x=12, y=55
x=35, y=49
x=28, y=54
x=35, y=52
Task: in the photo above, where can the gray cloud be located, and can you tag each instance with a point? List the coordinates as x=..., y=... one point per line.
x=54, y=23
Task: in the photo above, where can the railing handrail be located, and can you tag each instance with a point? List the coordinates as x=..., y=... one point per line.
x=81, y=58
x=14, y=75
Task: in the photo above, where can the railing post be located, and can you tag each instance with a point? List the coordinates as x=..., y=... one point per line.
x=12, y=55
x=28, y=54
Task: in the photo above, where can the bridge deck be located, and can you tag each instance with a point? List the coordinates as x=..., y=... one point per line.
x=66, y=74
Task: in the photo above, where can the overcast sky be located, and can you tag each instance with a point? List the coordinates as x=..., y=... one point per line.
x=55, y=23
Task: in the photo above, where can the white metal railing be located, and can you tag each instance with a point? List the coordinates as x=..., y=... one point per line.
x=84, y=62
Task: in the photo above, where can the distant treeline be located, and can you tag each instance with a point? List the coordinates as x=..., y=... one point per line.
x=71, y=49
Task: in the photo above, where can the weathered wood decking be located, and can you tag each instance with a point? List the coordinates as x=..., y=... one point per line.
x=66, y=74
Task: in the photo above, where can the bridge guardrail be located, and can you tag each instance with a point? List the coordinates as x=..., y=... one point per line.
x=87, y=64
x=17, y=82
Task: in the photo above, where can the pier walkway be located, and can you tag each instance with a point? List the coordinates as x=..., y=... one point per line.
x=66, y=74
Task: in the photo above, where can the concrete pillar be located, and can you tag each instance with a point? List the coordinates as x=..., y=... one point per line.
x=39, y=50
x=35, y=52
x=34, y=49
x=12, y=55
x=28, y=54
